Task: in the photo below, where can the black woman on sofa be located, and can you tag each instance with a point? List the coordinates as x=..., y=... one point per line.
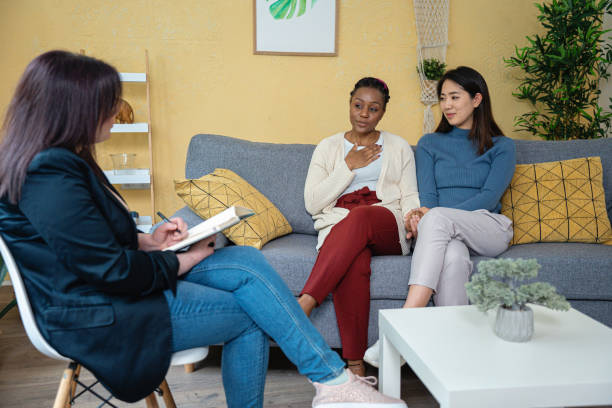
x=360, y=185
x=463, y=170
x=109, y=297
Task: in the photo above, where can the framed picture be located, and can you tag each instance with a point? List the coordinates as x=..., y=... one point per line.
x=295, y=27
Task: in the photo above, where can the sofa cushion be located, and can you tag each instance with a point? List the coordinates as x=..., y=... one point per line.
x=294, y=255
x=578, y=271
x=537, y=151
x=278, y=171
x=213, y=193
x=560, y=201
x=260, y=163
x=324, y=319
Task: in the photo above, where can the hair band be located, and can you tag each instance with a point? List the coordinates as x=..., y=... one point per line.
x=382, y=82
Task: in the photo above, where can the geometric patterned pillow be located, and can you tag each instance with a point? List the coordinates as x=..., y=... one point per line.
x=560, y=201
x=221, y=189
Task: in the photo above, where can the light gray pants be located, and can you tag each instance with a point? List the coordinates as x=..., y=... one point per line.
x=446, y=238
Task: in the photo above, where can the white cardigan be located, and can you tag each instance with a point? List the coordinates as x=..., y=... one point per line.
x=328, y=176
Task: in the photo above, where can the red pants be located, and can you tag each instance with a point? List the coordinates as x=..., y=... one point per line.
x=343, y=269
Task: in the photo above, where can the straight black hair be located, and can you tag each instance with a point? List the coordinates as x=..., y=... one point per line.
x=61, y=100
x=483, y=124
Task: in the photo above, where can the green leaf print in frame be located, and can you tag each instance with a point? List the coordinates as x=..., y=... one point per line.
x=281, y=9
x=295, y=27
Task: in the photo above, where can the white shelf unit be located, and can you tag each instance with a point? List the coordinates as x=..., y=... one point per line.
x=133, y=76
x=141, y=179
x=128, y=176
x=130, y=128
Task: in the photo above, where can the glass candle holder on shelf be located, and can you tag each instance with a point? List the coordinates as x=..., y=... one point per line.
x=123, y=163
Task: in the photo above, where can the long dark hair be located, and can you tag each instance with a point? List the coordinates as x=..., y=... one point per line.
x=378, y=84
x=60, y=101
x=483, y=124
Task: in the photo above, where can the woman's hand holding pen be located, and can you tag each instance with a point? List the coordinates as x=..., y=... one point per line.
x=175, y=230
x=168, y=233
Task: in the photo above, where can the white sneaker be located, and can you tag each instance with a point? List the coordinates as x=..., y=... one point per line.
x=372, y=355
x=357, y=392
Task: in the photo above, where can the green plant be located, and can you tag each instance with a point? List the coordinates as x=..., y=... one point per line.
x=432, y=69
x=497, y=284
x=562, y=69
x=286, y=8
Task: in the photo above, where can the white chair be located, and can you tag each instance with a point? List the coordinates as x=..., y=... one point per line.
x=67, y=388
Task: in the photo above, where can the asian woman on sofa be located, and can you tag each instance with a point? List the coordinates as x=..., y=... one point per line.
x=463, y=170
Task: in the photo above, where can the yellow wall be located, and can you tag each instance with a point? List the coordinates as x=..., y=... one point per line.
x=205, y=78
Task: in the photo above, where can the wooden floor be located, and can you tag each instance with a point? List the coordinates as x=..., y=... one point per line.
x=29, y=379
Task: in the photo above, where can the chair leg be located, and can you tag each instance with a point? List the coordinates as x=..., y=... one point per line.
x=73, y=385
x=167, y=395
x=151, y=400
x=189, y=368
x=65, y=386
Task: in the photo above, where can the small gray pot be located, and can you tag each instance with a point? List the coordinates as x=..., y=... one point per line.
x=514, y=325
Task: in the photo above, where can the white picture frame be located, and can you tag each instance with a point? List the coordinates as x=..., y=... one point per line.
x=295, y=27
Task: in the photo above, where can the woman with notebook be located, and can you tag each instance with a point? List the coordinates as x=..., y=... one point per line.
x=108, y=296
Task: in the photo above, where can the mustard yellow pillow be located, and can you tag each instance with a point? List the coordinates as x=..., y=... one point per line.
x=560, y=201
x=214, y=192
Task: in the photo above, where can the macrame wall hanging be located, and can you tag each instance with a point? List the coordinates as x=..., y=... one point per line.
x=432, y=34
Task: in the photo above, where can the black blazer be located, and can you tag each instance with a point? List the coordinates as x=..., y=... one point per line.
x=97, y=298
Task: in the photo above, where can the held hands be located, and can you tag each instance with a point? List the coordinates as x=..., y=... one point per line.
x=356, y=159
x=411, y=221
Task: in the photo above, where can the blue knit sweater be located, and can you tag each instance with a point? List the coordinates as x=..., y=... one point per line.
x=451, y=174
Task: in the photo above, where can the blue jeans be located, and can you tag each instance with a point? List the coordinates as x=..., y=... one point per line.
x=236, y=298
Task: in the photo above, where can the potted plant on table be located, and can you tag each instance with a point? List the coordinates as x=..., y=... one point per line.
x=496, y=285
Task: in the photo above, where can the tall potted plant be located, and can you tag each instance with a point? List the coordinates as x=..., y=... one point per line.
x=562, y=69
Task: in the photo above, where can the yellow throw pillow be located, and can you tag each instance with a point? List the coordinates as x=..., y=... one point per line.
x=560, y=201
x=214, y=192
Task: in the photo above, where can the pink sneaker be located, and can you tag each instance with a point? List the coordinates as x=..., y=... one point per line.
x=356, y=392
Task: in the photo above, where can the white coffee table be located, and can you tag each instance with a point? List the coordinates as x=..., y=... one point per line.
x=455, y=353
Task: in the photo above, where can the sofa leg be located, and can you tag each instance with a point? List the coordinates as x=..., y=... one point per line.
x=189, y=368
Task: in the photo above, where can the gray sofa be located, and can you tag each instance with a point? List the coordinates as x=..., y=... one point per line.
x=581, y=272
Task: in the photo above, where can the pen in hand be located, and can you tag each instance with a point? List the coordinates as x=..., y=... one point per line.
x=163, y=217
